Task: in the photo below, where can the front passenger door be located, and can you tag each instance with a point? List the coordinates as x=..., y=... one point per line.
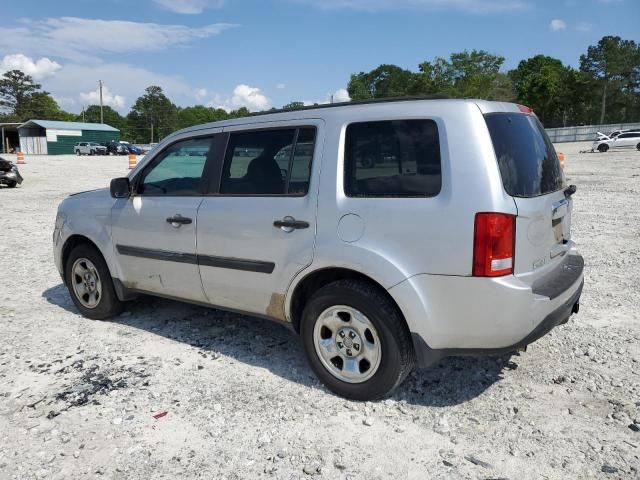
x=154, y=231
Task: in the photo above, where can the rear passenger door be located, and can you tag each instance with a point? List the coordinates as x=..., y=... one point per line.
x=256, y=228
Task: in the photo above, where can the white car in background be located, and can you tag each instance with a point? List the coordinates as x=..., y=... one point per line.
x=617, y=139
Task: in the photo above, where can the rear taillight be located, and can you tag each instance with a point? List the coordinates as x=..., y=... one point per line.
x=493, y=244
x=525, y=109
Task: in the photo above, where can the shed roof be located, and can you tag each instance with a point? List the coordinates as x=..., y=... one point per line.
x=70, y=125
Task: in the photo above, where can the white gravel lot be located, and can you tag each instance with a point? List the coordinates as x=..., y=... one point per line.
x=77, y=397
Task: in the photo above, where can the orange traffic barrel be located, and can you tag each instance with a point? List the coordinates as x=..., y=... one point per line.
x=21, y=159
x=561, y=158
x=132, y=161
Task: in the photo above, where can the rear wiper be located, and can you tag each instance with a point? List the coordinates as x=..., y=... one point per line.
x=570, y=190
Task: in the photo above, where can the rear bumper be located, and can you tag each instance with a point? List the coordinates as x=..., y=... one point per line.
x=427, y=356
x=467, y=315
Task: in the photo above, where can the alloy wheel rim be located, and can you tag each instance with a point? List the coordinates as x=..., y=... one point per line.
x=347, y=344
x=86, y=283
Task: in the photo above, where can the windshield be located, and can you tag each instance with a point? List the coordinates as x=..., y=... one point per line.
x=528, y=162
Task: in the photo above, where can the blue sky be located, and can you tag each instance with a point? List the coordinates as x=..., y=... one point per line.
x=263, y=53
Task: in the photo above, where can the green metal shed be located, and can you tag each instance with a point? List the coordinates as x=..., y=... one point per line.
x=48, y=137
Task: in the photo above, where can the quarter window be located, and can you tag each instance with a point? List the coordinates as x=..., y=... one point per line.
x=269, y=162
x=178, y=169
x=399, y=158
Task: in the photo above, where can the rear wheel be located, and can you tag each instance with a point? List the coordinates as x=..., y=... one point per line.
x=12, y=184
x=603, y=148
x=638, y=147
x=90, y=284
x=356, y=340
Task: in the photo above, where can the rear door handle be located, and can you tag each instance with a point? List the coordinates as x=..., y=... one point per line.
x=178, y=220
x=289, y=224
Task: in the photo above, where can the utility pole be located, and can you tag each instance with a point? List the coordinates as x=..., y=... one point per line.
x=151, y=131
x=101, y=113
x=83, y=113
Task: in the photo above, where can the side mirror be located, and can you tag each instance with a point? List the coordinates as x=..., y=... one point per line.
x=120, y=188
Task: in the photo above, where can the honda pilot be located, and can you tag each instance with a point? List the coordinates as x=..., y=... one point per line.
x=388, y=235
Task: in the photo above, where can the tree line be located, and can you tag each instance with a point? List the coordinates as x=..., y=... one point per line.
x=604, y=89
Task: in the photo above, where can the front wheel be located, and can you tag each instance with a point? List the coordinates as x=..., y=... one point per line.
x=356, y=340
x=638, y=147
x=603, y=148
x=90, y=284
x=12, y=184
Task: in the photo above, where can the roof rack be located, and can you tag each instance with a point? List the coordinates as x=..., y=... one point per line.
x=352, y=103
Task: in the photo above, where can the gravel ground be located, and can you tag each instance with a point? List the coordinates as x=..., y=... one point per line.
x=78, y=397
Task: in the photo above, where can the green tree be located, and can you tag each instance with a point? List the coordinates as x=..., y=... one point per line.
x=545, y=83
x=200, y=114
x=384, y=81
x=152, y=116
x=111, y=117
x=474, y=73
x=615, y=64
x=16, y=88
x=239, y=113
x=433, y=78
x=42, y=106
x=293, y=106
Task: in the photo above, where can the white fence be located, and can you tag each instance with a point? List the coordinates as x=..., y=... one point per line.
x=586, y=133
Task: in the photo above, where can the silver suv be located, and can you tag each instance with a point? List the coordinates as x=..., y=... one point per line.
x=387, y=234
x=89, y=148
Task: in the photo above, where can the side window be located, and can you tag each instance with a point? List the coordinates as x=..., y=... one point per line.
x=268, y=162
x=177, y=170
x=399, y=158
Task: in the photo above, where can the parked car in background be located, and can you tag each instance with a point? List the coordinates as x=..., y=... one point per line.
x=438, y=247
x=116, y=148
x=621, y=139
x=89, y=148
x=9, y=174
x=131, y=148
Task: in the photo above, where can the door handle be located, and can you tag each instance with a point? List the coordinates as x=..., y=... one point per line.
x=288, y=224
x=178, y=220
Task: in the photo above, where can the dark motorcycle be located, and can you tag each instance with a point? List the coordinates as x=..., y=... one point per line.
x=9, y=174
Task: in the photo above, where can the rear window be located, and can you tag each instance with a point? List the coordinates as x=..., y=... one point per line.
x=528, y=162
x=399, y=158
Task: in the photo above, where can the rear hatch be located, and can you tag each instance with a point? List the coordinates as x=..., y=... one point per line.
x=532, y=175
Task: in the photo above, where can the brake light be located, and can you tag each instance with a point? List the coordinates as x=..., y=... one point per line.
x=561, y=158
x=493, y=244
x=525, y=109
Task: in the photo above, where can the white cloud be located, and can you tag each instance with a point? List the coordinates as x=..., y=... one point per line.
x=38, y=69
x=471, y=6
x=189, y=7
x=556, y=25
x=281, y=86
x=83, y=38
x=339, y=96
x=128, y=81
x=108, y=98
x=200, y=94
x=243, y=96
x=584, y=27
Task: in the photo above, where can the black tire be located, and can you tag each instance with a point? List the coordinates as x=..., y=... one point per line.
x=78, y=153
x=604, y=148
x=108, y=305
x=12, y=184
x=398, y=357
x=638, y=147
